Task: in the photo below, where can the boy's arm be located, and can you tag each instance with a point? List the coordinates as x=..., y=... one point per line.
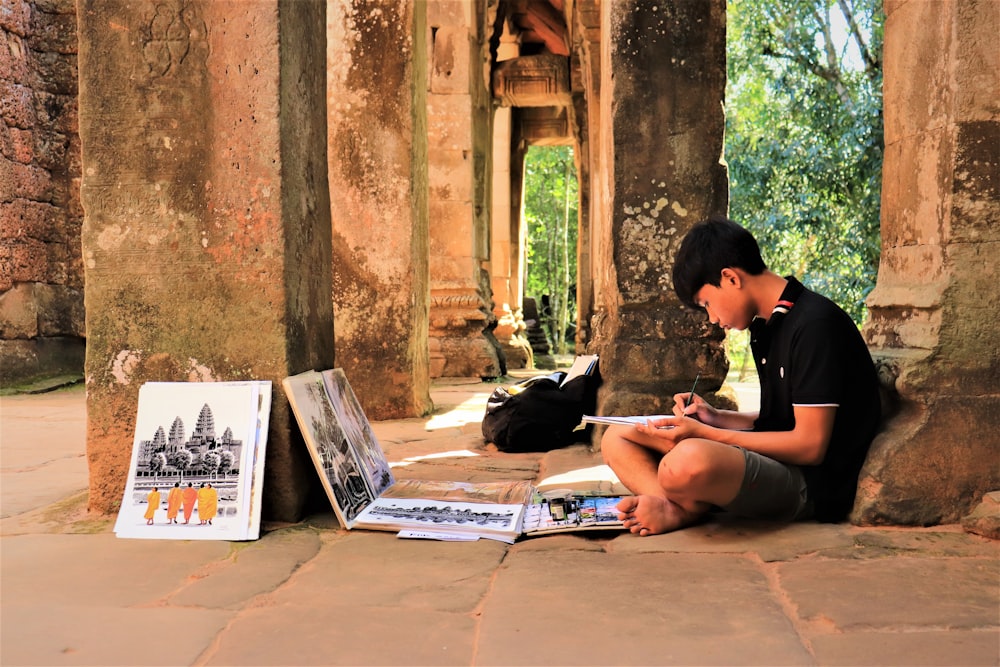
x=730, y=420
x=804, y=445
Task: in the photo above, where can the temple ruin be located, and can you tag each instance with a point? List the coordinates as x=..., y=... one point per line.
x=193, y=190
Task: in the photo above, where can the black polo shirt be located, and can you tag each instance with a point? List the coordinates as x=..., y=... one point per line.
x=810, y=352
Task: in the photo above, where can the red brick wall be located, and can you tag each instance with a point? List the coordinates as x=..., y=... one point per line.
x=41, y=270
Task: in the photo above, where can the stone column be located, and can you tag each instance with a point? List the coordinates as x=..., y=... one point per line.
x=506, y=250
x=584, y=279
x=458, y=103
x=587, y=116
x=933, y=314
x=376, y=98
x=206, y=235
x=659, y=173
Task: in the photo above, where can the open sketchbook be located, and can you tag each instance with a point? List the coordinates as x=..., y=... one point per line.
x=627, y=421
x=197, y=465
x=360, y=485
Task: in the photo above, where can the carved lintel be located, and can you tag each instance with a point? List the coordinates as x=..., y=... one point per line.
x=533, y=81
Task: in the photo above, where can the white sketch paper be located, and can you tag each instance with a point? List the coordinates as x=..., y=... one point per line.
x=198, y=454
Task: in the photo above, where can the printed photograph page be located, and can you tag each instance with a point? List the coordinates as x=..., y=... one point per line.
x=441, y=516
x=575, y=513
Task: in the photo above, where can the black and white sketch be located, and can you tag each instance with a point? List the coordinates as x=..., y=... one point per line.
x=198, y=454
x=485, y=518
x=355, y=473
x=336, y=431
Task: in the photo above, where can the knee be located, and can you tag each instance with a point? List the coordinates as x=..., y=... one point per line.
x=612, y=442
x=686, y=466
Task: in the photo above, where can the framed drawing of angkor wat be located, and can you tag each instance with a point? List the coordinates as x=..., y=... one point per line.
x=197, y=464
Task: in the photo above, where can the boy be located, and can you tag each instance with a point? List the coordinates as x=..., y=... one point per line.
x=799, y=457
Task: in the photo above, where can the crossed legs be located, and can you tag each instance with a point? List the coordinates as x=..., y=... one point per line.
x=673, y=485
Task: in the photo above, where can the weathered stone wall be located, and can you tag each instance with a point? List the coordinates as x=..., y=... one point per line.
x=41, y=274
x=206, y=234
x=933, y=314
x=459, y=118
x=377, y=134
x=662, y=86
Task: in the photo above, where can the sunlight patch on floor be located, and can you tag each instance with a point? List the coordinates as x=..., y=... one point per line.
x=458, y=453
x=466, y=412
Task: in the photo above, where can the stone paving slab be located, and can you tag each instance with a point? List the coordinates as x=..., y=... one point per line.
x=345, y=632
x=384, y=571
x=558, y=607
x=900, y=594
x=769, y=541
x=722, y=593
x=251, y=569
x=86, y=633
x=26, y=494
x=41, y=441
x=951, y=648
x=101, y=569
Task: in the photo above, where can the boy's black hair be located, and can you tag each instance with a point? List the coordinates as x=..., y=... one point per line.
x=708, y=248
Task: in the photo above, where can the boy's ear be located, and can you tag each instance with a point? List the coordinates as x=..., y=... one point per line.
x=732, y=277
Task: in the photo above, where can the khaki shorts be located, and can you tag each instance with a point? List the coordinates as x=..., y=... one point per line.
x=771, y=490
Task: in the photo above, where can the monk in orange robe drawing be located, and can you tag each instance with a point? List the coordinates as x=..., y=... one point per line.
x=152, y=504
x=189, y=498
x=208, y=503
x=174, y=499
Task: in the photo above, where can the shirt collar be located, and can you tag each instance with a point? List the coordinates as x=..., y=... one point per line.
x=793, y=289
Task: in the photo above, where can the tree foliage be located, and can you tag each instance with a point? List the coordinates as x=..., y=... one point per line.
x=550, y=213
x=804, y=138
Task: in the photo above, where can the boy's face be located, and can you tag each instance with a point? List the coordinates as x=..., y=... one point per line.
x=728, y=305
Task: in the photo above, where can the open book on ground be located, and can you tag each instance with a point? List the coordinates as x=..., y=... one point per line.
x=197, y=465
x=364, y=493
x=564, y=511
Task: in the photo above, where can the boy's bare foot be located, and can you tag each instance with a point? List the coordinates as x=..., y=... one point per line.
x=652, y=515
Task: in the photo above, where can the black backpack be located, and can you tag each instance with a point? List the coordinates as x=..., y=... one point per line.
x=541, y=414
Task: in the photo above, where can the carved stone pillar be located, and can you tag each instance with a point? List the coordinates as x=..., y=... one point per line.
x=659, y=173
x=933, y=314
x=506, y=254
x=458, y=118
x=377, y=133
x=206, y=235
x=587, y=105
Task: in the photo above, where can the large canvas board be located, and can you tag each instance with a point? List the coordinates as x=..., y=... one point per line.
x=191, y=436
x=345, y=478
x=358, y=432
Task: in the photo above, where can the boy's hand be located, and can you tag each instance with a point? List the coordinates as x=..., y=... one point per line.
x=698, y=409
x=670, y=430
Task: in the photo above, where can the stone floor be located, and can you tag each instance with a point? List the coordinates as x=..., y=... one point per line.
x=723, y=593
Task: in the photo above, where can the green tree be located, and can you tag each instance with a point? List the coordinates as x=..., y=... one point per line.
x=550, y=213
x=804, y=138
